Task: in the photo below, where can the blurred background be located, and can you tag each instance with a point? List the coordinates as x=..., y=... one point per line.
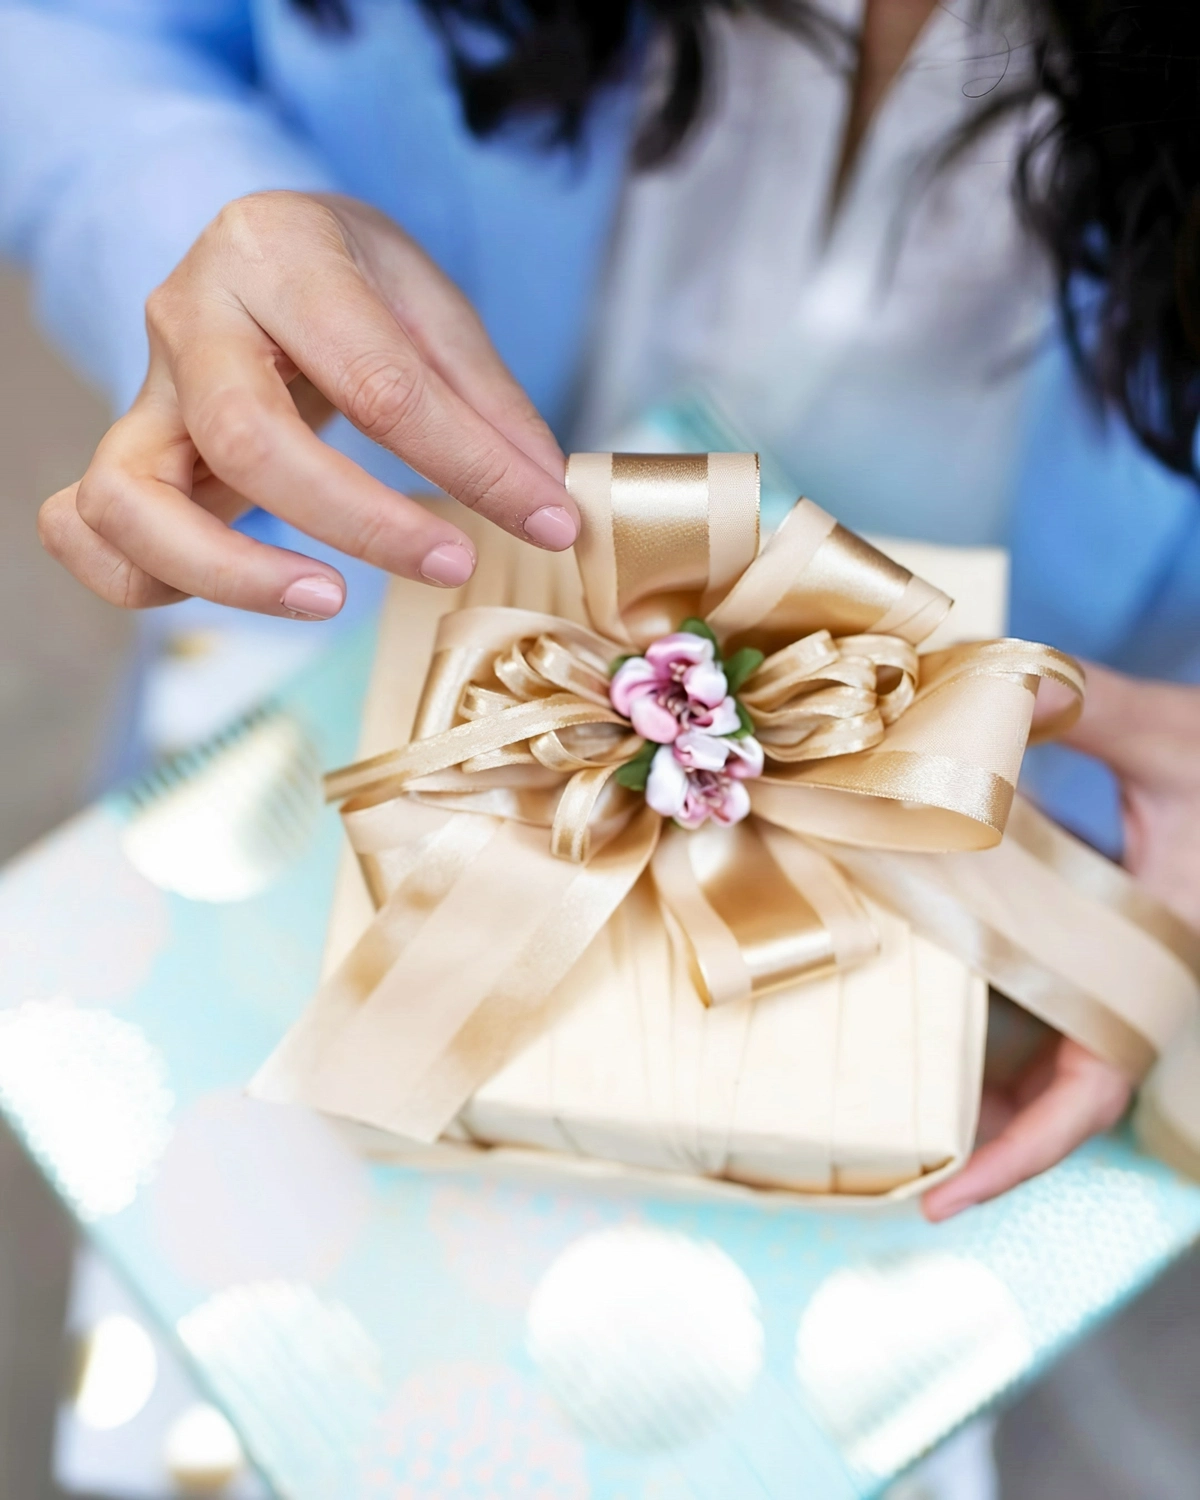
x=91, y=1402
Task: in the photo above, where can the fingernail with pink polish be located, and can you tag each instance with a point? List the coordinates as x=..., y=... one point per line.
x=449, y=565
x=313, y=598
x=948, y=1208
x=553, y=527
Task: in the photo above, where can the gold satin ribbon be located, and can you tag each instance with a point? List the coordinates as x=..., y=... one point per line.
x=499, y=843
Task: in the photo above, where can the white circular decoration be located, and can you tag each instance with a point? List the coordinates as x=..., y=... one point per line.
x=249, y=1191
x=90, y=1095
x=647, y=1339
x=201, y=1451
x=118, y=1369
x=893, y=1355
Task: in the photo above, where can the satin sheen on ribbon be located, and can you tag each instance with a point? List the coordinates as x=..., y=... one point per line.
x=497, y=843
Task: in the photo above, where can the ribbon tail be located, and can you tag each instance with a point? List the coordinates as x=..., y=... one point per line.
x=1056, y=927
x=456, y=973
x=752, y=909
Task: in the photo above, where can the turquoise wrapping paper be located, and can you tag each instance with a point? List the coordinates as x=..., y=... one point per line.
x=376, y=1331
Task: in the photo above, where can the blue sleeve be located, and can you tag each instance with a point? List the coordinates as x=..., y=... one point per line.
x=125, y=125
x=1106, y=565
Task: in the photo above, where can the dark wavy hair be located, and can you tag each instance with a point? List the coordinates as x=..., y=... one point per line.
x=1111, y=185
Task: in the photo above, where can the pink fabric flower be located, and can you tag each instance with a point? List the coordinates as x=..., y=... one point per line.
x=676, y=686
x=692, y=797
x=745, y=758
x=697, y=751
x=677, y=696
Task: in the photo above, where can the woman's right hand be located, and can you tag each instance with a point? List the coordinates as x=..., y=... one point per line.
x=287, y=308
x=1148, y=734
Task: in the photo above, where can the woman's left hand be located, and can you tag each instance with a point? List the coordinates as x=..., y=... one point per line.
x=1148, y=733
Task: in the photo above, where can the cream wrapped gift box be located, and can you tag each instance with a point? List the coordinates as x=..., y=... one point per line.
x=855, y=1083
x=519, y=951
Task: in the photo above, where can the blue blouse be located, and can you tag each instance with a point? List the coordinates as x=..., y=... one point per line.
x=125, y=125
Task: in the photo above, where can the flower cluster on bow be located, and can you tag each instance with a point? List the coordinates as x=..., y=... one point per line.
x=700, y=745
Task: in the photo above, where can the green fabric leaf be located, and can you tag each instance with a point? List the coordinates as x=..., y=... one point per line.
x=745, y=723
x=698, y=627
x=636, y=772
x=619, y=661
x=741, y=665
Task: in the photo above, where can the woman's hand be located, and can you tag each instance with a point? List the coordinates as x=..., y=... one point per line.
x=288, y=308
x=1148, y=733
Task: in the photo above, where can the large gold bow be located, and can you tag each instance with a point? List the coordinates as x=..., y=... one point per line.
x=500, y=840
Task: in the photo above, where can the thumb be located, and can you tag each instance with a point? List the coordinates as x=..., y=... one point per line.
x=1116, y=722
x=1147, y=732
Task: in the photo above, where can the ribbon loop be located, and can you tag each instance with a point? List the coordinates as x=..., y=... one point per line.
x=748, y=923
x=821, y=697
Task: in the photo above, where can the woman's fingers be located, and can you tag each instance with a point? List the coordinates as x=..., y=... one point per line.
x=216, y=497
x=1148, y=733
x=1109, y=726
x=447, y=330
x=237, y=411
x=1084, y=1097
x=178, y=542
x=273, y=293
x=133, y=501
x=346, y=340
x=1144, y=730
x=96, y=563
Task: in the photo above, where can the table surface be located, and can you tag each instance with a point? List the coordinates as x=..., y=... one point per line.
x=378, y=1331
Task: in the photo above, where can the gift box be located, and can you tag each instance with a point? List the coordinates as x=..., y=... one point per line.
x=524, y=953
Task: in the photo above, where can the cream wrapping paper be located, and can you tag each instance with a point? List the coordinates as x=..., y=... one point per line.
x=864, y=1081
